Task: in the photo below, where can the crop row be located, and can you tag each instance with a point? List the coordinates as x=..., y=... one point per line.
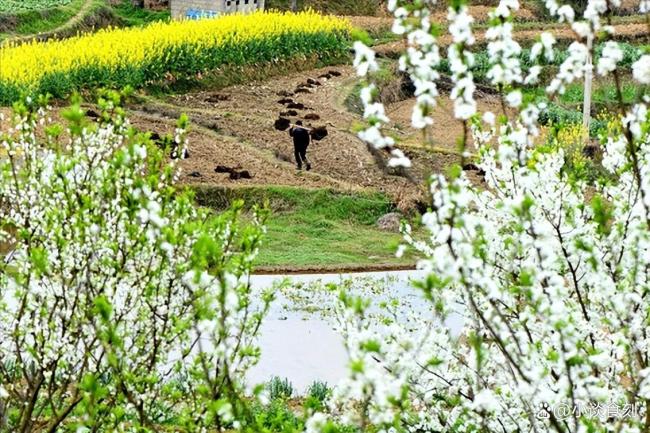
x=138, y=56
x=15, y=6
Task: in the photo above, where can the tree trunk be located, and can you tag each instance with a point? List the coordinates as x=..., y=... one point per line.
x=294, y=5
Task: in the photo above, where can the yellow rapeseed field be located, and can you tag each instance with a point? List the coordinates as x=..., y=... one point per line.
x=137, y=55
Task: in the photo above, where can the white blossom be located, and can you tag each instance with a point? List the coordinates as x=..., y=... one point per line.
x=641, y=69
x=612, y=54
x=364, y=59
x=514, y=98
x=546, y=271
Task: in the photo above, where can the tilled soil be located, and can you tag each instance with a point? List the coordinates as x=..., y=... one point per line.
x=237, y=128
x=209, y=150
x=629, y=31
x=445, y=131
x=243, y=134
x=480, y=13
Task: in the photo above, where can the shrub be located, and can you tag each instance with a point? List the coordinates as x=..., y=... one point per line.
x=555, y=115
x=582, y=157
x=319, y=390
x=279, y=389
x=122, y=305
x=277, y=416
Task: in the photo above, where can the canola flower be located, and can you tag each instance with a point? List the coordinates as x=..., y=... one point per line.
x=117, y=57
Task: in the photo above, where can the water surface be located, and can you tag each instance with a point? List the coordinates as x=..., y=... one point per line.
x=302, y=345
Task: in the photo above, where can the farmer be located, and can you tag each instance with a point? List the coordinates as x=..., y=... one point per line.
x=301, y=140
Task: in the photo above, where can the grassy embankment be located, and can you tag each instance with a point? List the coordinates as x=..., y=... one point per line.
x=317, y=229
x=25, y=22
x=73, y=17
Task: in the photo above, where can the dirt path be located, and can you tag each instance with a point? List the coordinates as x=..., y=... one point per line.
x=79, y=16
x=71, y=23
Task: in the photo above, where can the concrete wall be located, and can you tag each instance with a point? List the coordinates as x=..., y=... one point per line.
x=180, y=7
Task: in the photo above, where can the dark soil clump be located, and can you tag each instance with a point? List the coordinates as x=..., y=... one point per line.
x=217, y=98
x=234, y=173
x=592, y=151
x=319, y=133
x=174, y=154
x=282, y=124
x=473, y=167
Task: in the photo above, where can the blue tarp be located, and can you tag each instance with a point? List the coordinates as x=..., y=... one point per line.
x=196, y=14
